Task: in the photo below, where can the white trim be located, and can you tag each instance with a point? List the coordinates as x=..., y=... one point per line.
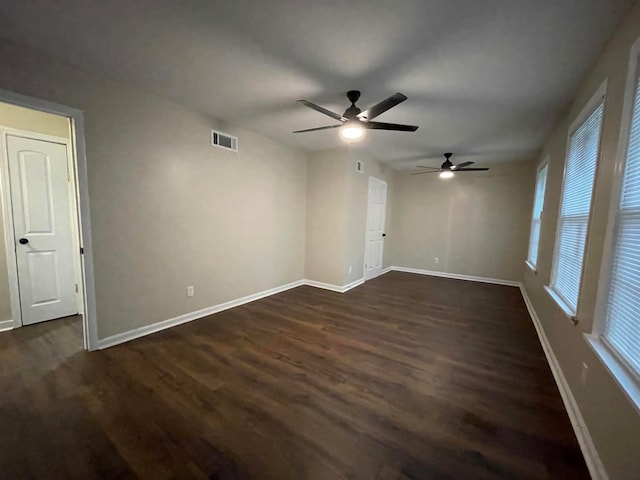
x=591, y=456
x=324, y=286
x=9, y=234
x=90, y=322
x=599, y=96
x=332, y=287
x=606, y=267
x=386, y=270
x=531, y=266
x=497, y=281
x=588, y=109
x=354, y=284
x=6, y=325
x=543, y=164
x=188, y=317
x=620, y=372
x=16, y=132
x=564, y=306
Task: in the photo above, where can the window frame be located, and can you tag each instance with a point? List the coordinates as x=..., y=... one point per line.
x=599, y=96
x=544, y=164
x=618, y=367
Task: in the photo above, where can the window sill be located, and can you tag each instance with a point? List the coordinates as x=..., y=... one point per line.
x=620, y=372
x=531, y=266
x=568, y=311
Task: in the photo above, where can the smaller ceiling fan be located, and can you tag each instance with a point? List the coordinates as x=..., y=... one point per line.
x=447, y=168
x=356, y=121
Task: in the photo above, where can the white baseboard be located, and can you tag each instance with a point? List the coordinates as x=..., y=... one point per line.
x=386, y=270
x=497, y=281
x=592, y=459
x=332, y=287
x=351, y=285
x=324, y=286
x=6, y=325
x=188, y=317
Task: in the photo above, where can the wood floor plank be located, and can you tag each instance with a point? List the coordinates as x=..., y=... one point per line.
x=405, y=377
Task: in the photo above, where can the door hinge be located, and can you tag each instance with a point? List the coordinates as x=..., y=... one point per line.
x=76, y=288
x=81, y=250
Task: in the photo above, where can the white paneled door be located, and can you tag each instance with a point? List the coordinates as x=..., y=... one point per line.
x=41, y=204
x=376, y=212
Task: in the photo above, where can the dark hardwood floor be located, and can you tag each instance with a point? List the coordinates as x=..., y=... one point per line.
x=405, y=377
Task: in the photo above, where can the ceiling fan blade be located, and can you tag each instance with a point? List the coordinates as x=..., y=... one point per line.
x=383, y=106
x=320, y=109
x=318, y=128
x=390, y=126
x=422, y=173
x=462, y=165
x=470, y=169
x=432, y=168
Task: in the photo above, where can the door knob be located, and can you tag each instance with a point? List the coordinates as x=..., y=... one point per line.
x=384, y=234
x=23, y=241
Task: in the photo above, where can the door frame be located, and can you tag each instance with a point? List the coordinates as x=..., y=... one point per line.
x=366, y=227
x=76, y=155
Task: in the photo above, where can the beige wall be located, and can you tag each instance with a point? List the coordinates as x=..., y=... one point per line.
x=167, y=209
x=336, y=215
x=326, y=227
x=32, y=121
x=476, y=223
x=613, y=422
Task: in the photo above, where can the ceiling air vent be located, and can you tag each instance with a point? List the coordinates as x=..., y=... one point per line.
x=222, y=140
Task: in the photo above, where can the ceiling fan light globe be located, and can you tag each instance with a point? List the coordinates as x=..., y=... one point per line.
x=446, y=174
x=352, y=133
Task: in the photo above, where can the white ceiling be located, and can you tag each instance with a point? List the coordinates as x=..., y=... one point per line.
x=485, y=80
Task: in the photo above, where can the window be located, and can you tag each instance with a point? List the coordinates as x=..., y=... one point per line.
x=536, y=220
x=621, y=313
x=573, y=221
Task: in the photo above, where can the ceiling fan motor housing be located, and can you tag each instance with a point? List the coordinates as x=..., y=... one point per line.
x=353, y=96
x=352, y=112
x=447, y=163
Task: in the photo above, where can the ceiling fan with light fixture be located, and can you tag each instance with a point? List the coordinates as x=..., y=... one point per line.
x=354, y=121
x=447, y=169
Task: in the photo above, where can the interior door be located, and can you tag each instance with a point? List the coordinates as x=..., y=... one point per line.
x=41, y=205
x=376, y=212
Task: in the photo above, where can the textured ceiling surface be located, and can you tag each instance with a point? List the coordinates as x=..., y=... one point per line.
x=485, y=80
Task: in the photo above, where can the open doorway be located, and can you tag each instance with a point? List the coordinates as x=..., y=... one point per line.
x=43, y=252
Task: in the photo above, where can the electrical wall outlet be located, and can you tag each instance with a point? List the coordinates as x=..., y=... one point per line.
x=190, y=291
x=436, y=260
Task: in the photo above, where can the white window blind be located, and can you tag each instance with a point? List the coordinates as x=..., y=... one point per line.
x=573, y=221
x=622, y=315
x=536, y=220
